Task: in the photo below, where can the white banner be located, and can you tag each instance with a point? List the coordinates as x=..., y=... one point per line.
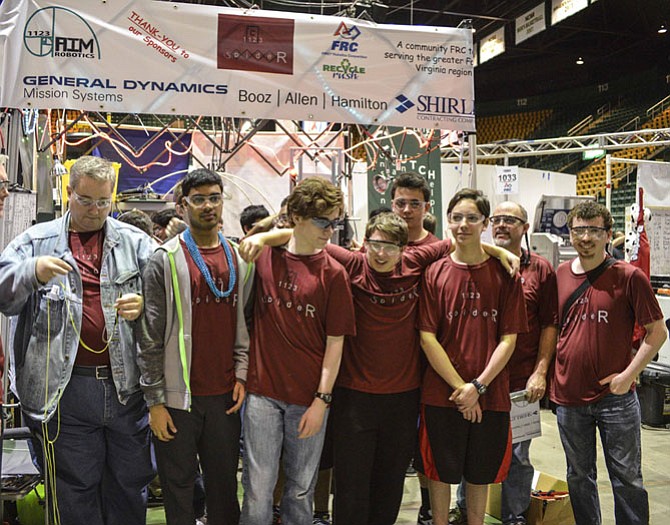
x=492, y=46
x=530, y=23
x=562, y=9
x=161, y=57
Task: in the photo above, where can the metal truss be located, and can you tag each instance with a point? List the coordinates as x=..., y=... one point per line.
x=225, y=134
x=561, y=145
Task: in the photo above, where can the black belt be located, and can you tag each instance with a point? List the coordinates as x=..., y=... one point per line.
x=99, y=372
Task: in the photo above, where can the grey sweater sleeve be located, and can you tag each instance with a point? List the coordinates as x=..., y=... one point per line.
x=151, y=355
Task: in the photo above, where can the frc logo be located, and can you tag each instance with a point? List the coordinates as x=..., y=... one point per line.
x=60, y=32
x=348, y=34
x=254, y=43
x=405, y=104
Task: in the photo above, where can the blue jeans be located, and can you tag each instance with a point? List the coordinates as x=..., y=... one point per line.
x=271, y=431
x=102, y=454
x=618, y=421
x=516, y=488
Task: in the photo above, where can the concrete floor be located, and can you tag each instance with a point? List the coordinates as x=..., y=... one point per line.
x=547, y=456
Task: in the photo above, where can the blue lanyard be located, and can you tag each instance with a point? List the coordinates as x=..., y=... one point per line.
x=200, y=263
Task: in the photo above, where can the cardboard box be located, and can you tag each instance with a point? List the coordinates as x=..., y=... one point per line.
x=549, y=512
x=540, y=512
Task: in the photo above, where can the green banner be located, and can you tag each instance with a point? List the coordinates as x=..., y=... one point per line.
x=398, y=154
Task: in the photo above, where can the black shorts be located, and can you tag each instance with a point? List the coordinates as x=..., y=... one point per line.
x=451, y=448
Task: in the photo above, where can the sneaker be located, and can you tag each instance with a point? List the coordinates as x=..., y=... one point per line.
x=458, y=516
x=321, y=518
x=425, y=517
x=276, y=516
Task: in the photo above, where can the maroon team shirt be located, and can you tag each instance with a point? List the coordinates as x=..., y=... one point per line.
x=213, y=323
x=428, y=239
x=538, y=280
x=300, y=301
x=87, y=252
x=595, y=341
x=383, y=356
x=470, y=308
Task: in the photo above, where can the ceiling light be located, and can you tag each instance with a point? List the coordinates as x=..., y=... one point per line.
x=579, y=61
x=663, y=29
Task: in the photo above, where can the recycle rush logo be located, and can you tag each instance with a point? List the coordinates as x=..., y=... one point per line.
x=60, y=32
x=254, y=43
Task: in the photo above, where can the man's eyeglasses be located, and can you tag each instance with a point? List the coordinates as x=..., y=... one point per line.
x=470, y=218
x=88, y=203
x=4, y=185
x=507, y=220
x=198, y=201
x=323, y=223
x=389, y=248
x=401, y=204
x=592, y=231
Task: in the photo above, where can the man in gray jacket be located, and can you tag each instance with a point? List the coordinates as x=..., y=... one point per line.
x=75, y=285
x=194, y=356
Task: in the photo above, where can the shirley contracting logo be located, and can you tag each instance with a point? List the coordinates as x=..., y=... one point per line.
x=431, y=107
x=60, y=32
x=405, y=104
x=254, y=43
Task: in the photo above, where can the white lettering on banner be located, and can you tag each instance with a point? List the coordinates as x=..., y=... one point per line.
x=330, y=69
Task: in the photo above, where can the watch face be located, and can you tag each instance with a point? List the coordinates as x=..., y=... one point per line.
x=326, y=398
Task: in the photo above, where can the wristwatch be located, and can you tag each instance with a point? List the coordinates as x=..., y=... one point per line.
x=481, y=388
x=326, y=398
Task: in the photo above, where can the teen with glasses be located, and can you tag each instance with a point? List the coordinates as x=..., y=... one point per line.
x=470, y=312
x=410, y=199
x=194, y=356
x=77, y=288
x=303, y=309
x=532, y=355
x=596, y=368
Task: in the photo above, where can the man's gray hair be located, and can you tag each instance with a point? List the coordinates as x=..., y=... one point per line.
x=94, y=167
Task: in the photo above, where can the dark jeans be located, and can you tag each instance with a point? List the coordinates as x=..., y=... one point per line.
x=617, y=418
x=206, y=432
x=375, y=438
x=101, y=453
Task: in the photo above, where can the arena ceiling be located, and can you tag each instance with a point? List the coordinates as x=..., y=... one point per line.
x=615, y=38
